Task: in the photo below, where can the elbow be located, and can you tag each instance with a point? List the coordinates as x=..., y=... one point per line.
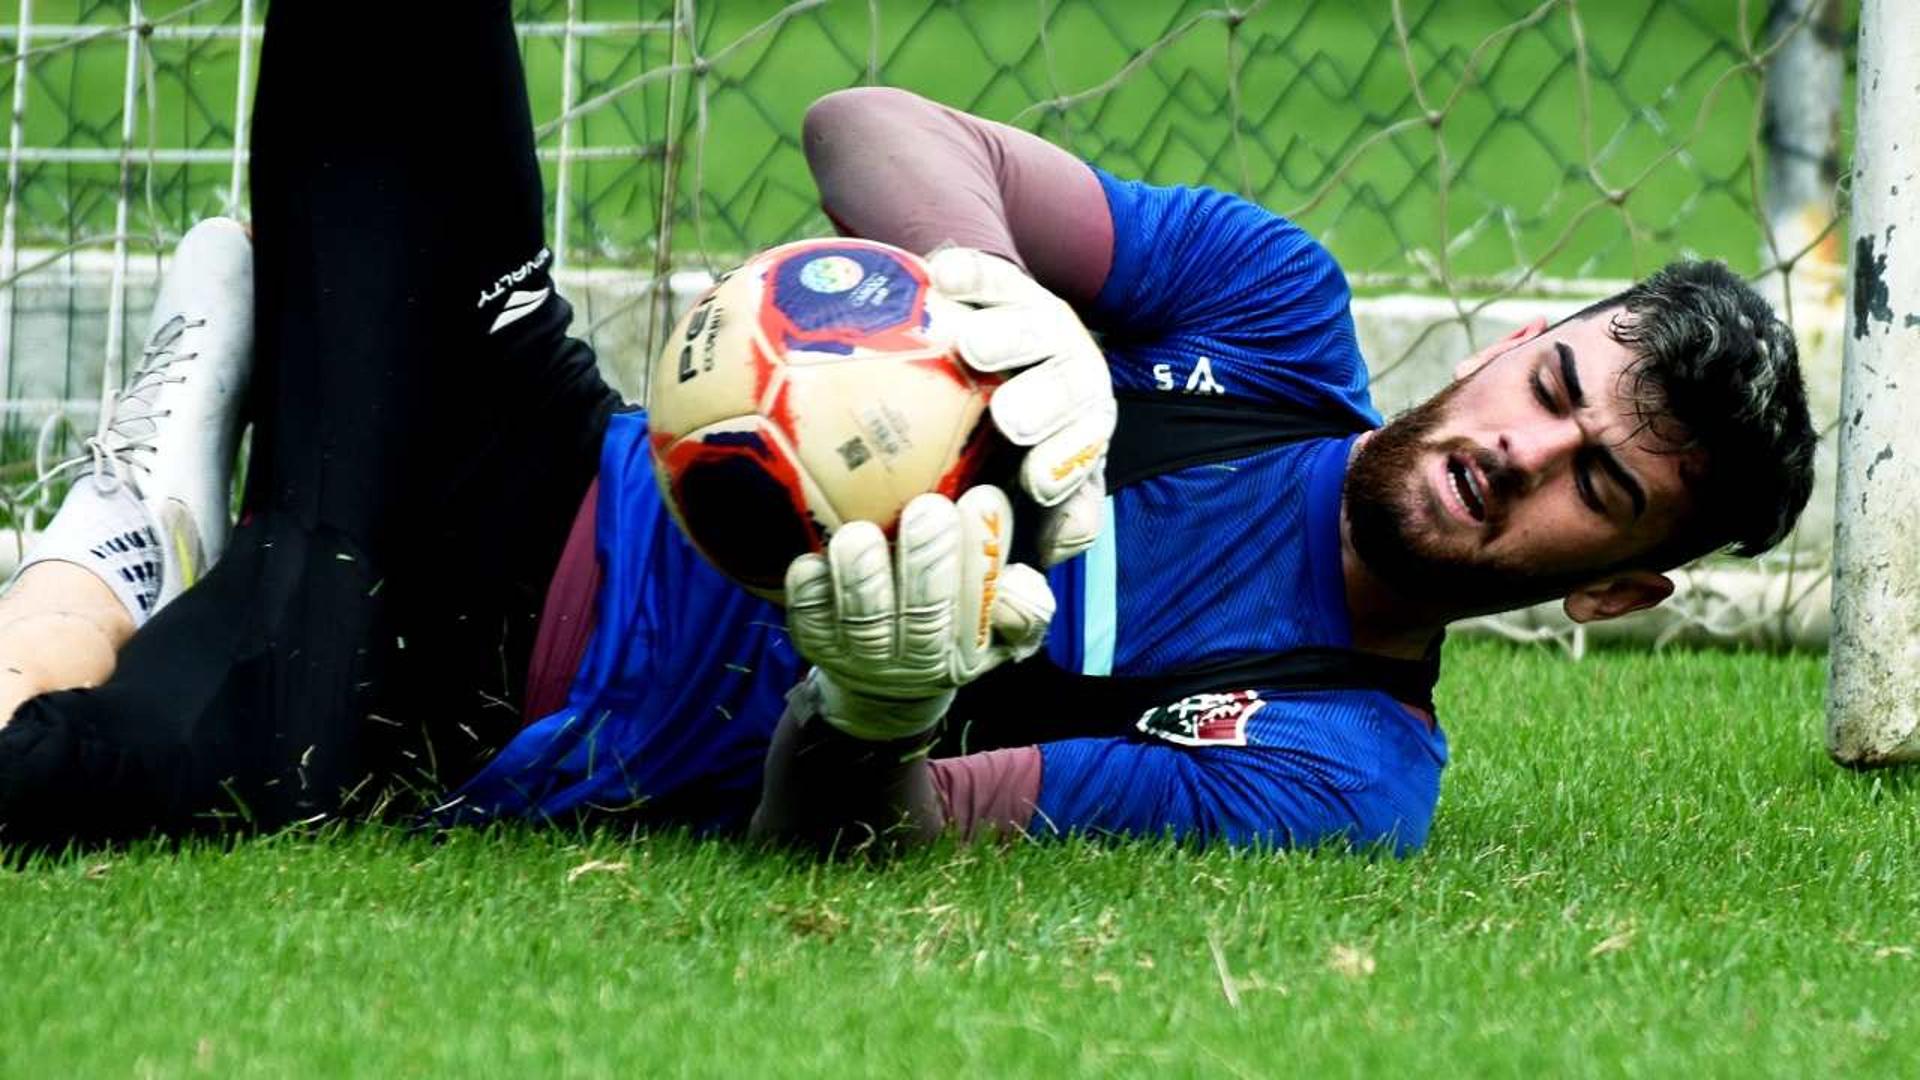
x=843, y=109
x=845, y=117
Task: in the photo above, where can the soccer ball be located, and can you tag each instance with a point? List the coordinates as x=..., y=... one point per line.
x=815, y=385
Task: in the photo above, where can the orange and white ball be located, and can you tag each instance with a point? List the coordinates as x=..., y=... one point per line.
x=815, y=385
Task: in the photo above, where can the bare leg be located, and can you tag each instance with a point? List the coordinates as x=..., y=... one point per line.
x=60, y=628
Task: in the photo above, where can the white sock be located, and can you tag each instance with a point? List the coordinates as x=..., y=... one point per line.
x=109, y=533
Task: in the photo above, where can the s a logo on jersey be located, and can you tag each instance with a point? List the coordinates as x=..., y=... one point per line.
x=1199, y=380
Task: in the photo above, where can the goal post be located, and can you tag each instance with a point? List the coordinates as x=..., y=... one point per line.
x=1873, y=715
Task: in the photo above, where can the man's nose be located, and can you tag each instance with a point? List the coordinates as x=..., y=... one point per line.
x=1535, y=450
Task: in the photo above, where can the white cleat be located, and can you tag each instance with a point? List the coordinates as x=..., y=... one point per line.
x=174, y=429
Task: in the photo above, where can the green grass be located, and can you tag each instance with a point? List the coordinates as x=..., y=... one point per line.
x=1642, y=865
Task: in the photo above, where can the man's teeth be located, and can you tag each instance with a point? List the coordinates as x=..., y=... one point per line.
x=1464, y=485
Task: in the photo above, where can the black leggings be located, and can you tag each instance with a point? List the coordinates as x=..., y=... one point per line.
x=424, y=431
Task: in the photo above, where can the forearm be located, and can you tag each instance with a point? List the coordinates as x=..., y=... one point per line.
x=895, y=167
x=832, y=792
x=827, y=790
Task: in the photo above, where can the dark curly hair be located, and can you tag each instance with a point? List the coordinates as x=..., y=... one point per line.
x=1714, y=370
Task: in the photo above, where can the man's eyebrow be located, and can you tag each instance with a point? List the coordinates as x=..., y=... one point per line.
x=1570, y=375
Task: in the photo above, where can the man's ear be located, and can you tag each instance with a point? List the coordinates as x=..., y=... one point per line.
x=1479, y=360
x=1616, y=595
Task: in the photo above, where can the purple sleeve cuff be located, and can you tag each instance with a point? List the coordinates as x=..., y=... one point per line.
x=989, y=793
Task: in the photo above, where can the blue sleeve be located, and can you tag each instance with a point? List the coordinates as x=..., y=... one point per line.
x=1376, y=791
x=1200, y=271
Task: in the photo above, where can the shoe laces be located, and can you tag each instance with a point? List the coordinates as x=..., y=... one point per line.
x=123, y=439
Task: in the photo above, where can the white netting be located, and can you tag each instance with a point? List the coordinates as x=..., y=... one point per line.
x=1470, y=163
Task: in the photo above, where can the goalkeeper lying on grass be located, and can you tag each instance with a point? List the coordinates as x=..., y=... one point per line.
x=443, y=497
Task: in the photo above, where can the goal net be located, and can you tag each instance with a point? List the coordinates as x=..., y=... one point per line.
x=1470, y=164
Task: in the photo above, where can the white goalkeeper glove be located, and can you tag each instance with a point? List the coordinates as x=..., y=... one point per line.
x=1059, y=403
x=892, y=636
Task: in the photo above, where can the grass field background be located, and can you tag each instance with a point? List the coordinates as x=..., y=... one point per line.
x=1642, y=865
x=1632, y=95
x=1306, y=105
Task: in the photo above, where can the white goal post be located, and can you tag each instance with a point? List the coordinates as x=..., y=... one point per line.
x=1874, y=702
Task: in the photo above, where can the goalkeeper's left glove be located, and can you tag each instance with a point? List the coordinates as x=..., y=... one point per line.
x=893, y=635
x=1059, y=402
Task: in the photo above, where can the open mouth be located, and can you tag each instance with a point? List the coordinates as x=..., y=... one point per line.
x=1467, y=484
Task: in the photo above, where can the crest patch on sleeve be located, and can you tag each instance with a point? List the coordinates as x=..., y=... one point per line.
x=1218, y=719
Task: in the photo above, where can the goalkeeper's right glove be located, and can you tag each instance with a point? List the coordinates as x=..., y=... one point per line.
x=892, y=637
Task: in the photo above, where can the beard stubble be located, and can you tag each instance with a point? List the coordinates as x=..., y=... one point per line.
x=1387, y=510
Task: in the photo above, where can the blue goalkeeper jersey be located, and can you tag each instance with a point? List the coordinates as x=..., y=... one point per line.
x=1210, y=294
x=683, y=682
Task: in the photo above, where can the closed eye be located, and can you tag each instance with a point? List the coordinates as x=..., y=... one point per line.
x=1583, y=480
x=1543, y=395
x=1594, y=457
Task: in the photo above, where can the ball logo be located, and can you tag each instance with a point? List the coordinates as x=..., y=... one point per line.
x=831, y=274
x=827, y=299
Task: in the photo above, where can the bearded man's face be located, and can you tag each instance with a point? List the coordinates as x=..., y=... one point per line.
x=1530, y=476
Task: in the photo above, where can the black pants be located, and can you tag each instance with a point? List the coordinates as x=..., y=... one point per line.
x=424, y=432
